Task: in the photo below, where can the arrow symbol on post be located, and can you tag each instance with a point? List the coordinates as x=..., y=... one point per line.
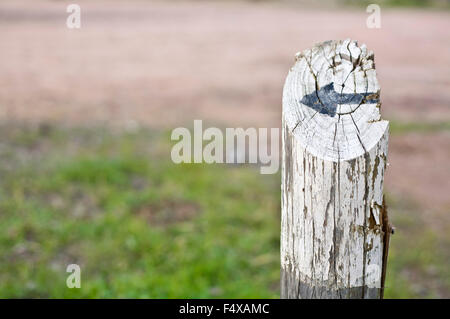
x=326, y=100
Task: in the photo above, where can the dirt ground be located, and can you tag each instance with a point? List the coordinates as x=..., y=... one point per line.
x=164, y=64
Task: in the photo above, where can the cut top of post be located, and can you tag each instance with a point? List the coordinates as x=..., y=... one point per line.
x=331, y=100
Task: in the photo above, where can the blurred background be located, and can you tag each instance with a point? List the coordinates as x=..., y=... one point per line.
x=85, y=121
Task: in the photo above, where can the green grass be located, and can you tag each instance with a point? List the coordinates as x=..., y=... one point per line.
x=142, y=227
x=397, y=127
x=98, y=199
x=418, y=265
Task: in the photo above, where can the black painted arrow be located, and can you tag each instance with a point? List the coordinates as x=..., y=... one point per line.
x=326, y=100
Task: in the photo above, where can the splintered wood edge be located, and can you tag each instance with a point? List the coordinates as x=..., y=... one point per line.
x=331, y=100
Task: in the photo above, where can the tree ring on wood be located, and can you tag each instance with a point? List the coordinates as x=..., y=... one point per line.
x=331, y=100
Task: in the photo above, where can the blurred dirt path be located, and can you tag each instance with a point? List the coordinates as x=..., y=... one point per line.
x=165, y=64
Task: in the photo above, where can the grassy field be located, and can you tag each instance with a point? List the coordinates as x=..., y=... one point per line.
x=142, y=227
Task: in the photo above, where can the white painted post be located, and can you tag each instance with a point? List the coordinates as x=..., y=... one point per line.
x=334, y=227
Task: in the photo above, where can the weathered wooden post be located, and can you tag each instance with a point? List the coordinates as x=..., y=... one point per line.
x=334, y=227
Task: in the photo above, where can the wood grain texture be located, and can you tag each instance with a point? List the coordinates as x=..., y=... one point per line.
x=334, y=159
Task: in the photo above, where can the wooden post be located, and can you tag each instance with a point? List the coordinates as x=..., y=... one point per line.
x=334, y=227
